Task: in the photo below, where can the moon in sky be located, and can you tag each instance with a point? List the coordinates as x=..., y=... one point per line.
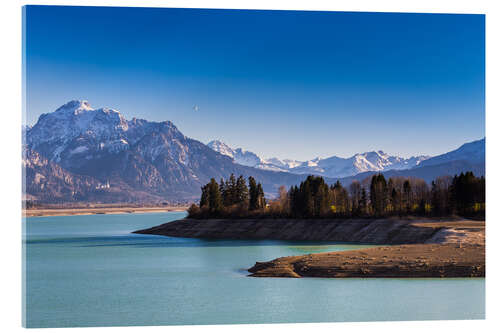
x=196, y=108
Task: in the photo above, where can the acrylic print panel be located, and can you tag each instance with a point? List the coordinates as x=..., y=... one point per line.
x=195, y=166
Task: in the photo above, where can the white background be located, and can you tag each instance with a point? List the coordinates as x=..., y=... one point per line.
x=10, y=155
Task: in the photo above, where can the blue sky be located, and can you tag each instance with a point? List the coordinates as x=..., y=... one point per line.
x=289, y=84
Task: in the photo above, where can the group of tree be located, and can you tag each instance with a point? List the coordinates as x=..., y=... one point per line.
x=229, y=197
x=463, y=195
x=374, y=197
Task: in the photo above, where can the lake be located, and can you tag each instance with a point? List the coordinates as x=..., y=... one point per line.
x=89, y=270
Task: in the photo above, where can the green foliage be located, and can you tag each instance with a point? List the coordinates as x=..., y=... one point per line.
x=204, y=196
x=241, y=191
x=463, y=194
x=310, y=199
x=253, y=202
x=215, y=203
x=441, y=196
x=466, y=191
x=379, y=194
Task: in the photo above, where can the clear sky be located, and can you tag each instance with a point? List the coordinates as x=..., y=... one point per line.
x=288, y=84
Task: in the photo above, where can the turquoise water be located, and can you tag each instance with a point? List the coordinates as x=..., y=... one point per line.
x=90, y=271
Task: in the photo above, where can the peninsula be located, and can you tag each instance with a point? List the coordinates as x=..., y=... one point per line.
x=409, y=248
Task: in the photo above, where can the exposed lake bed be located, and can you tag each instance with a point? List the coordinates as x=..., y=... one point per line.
x=439, y=248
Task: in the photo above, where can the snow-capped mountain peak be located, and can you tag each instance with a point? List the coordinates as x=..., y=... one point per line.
x=76, y=131
x=75, y=107
x=74, y=119
x=221, y=148
x=239, y=155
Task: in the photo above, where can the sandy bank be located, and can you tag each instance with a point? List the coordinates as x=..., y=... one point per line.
x=98, y=210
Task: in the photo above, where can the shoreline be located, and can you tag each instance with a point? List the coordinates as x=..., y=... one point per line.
x=419, y=248
x=456, y=250
x=402, y=261
x=357, y=231
x=39, y=212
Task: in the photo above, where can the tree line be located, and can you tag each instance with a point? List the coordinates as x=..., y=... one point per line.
x=374, y=197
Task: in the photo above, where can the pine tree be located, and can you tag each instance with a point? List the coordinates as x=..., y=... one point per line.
x=467, y=193
x=253, y=202
x=440, y=196
x=241, y=191
x=355, y=192
x=306, y=198
x=204, y=196
x=378, y=194
x=215, y=204
x=231, y=192
x=293, y=198
x=222, y=190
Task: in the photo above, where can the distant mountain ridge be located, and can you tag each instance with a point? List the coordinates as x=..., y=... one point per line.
x=78, y=153
x=334, y=167
x=472, y=152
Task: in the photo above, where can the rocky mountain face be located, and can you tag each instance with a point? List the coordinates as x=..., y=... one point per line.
x=333, y=167
x=48, y=182
x=98, y=155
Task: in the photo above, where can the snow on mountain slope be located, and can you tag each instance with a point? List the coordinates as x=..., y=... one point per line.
x=285, y=164
x=330, y=167
x=75, y=128
x=221, y=147
x=239, y=155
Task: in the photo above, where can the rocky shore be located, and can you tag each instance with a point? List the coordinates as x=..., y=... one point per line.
x=418, y=248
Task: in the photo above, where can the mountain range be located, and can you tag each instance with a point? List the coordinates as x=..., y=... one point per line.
x=334, y=166
x=81, y=154
x=78, y=153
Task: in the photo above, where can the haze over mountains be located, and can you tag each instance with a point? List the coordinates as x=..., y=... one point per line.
x=78, y=153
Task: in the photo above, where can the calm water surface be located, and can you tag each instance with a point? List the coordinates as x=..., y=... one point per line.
x=91, y=271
